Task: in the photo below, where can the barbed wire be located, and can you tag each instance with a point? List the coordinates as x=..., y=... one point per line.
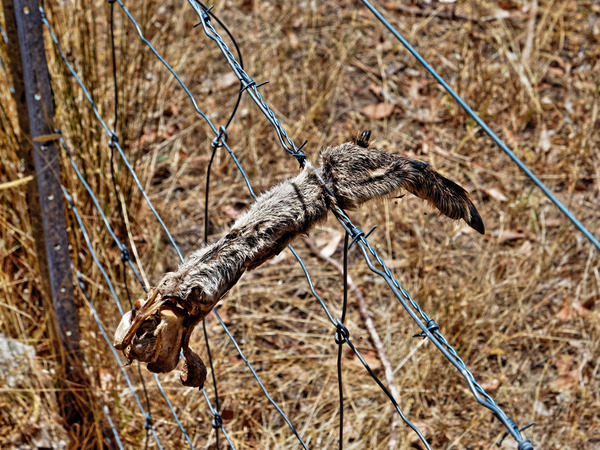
x=429, y=327
x=217, y=419
x=547, y=192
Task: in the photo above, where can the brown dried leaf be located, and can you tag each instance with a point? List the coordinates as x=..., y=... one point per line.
x=544, y=143
x=571, y=309
x=508, y=4
x=491, y=385
x=371, y=359
x=378, y=111
x=565, y=382
x=552, y=223
x=511, y=235
x=375, y=89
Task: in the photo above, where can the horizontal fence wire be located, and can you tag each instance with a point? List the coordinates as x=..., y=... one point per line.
x=429, y=327
x=547, y=192
x=124, y=158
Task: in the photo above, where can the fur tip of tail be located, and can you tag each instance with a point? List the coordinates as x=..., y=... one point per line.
x=475, y=221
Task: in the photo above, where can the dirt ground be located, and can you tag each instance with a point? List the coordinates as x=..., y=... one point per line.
x=520, y=304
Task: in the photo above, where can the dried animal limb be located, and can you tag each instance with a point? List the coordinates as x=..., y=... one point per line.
x=160, y=325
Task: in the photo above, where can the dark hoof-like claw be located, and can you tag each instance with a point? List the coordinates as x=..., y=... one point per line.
x=363, y=140
x=194, y=370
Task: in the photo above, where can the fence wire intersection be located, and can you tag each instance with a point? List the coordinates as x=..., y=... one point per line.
x=430, y=328
x=428, y=325
x=87, y=95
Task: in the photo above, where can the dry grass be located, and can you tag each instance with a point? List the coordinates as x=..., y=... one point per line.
x=520, y=304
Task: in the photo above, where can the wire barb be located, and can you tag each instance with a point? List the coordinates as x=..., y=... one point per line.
x=217, y=421
x=432, y=327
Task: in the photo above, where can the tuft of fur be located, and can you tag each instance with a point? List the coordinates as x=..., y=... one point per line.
x=162, y=322
x=356, y=175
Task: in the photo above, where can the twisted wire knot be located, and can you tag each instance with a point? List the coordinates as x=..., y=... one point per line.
x=148, y=424
x=431, y=326
x=124, y=253
x=217, y=421
x=114, y=140
x=220, y=139
x=341, y=332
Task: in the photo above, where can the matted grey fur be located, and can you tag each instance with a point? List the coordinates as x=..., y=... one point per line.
x=161, y=323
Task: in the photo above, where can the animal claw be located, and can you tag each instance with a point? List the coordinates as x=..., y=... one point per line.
x=363, y=140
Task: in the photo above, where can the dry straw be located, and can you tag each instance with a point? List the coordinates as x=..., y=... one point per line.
x=520, y=305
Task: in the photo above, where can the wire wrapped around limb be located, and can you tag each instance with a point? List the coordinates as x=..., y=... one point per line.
x=161, y=323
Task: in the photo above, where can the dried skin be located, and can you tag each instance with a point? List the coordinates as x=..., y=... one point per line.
x=160, y=325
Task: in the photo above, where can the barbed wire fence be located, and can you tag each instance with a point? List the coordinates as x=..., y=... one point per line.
x=354, y=235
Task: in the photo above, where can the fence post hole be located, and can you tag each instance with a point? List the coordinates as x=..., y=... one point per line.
x=35, y=109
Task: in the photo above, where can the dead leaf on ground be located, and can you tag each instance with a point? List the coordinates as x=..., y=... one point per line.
x=568, y=376
x=544, y=143
x=378, y=111
x=553, y=223
x=370, y=358
x=375, y=88
x=570, y=310
x=491, y=385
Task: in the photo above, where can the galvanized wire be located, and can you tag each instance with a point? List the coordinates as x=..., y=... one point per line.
x=82, y=229
x=429, y=327
x=167, y=232
x=547, y=192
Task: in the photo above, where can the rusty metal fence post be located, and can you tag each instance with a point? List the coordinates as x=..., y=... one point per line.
x=39, y=146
